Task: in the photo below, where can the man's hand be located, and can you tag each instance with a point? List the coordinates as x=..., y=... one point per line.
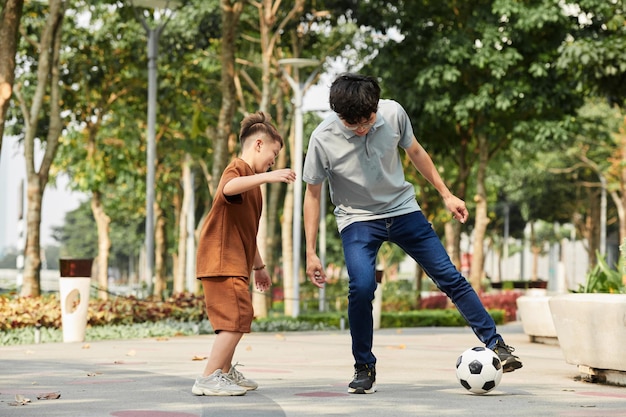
x=315, y=271
x=456, y=207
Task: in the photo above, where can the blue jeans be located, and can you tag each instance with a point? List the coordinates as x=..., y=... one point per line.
x=414, y=234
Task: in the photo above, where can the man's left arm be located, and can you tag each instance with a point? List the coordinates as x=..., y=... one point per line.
x=424, y=164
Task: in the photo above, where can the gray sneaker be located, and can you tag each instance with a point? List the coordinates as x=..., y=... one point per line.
x=216, y=384
x=238, y=378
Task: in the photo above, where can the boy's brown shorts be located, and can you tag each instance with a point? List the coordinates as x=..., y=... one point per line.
x=228, y=303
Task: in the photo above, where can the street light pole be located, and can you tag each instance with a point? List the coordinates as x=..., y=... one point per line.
x=298, y=92
x=153, y=53
x=153, y=33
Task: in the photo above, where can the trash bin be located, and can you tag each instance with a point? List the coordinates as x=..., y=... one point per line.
x=74, y=285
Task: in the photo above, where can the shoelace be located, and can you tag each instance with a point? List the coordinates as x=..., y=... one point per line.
x=234, y=374
x=223, y=379
x=507, y=348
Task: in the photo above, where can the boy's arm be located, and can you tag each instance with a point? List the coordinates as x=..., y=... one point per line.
x=240, y=185
x=262, y=279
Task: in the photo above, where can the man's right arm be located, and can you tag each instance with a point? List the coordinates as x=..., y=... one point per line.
x=311, y=209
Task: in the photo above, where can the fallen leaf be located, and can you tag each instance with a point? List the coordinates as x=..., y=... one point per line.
x=93, y=373
x=49, y=396
x=19, y=400
x=248, y=348
x=86, y=346
x=198, y=358
x=131, y=352
x=279, y=336
x=162, y=339
x=400, y=346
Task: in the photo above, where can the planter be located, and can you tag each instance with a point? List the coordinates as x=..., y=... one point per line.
x=534, y=313
x=591, y=329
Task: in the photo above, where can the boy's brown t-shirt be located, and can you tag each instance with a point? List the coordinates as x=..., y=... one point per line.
x=227, y=243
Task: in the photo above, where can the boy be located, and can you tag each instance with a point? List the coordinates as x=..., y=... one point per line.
x=227, y=252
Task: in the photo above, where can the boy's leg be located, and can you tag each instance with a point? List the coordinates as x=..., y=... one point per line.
x=230, y=312
x=222, y=352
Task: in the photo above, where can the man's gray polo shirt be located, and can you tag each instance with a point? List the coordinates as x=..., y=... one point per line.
x=365, y=175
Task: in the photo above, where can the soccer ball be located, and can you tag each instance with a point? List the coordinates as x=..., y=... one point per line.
x=479, y=370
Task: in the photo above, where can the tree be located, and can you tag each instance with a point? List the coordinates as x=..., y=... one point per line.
x=10, y=17
x=594, y=54
x=40, y=103
x=90, y=155
x=483, y=76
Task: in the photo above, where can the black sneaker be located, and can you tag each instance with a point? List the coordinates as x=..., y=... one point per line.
x=364, y=381
x=509, y=361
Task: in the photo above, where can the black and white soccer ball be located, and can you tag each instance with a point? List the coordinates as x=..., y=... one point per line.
x=479, y=370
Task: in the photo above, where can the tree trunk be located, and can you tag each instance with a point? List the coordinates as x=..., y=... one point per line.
x=32, y=256
x=536, y=251
x=160, y=253
x=464, y=169
x=481, y=222
x=47, y=88
x=103, y=222
x=593, y=227
x=177, y=206
x=231, y=12
x=9, y=34
x=270, y=32
x=452, y=233
x=619, y=198
x=180, y=273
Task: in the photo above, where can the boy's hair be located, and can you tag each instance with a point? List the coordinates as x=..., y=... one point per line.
x=258, y=123
x=354, y=97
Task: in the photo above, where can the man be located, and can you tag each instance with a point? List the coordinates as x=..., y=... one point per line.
x=356, y=150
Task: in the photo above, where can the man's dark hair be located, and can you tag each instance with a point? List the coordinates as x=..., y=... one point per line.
x=354, y=97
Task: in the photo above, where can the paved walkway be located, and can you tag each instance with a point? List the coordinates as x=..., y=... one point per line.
x=300, y=374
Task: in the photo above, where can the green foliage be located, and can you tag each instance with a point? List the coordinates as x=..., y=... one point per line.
x=78, y=237
x=431, y=318
x=594, y=53
x=166, y=328
x=604, y=279
x=19, y=312
x=127, y=317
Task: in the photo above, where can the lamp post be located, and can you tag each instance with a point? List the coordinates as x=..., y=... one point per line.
x=153, y=33
x=298, y=92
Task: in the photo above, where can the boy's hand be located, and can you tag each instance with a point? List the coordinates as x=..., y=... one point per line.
x=285, y=175
x=262, y=280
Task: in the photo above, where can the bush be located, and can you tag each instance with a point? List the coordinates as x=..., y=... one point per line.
x=45, y=310
x=184, y=314
x=431, y=318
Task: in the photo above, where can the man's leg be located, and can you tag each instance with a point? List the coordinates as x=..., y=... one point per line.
x=360, y=244
x=414, y=234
